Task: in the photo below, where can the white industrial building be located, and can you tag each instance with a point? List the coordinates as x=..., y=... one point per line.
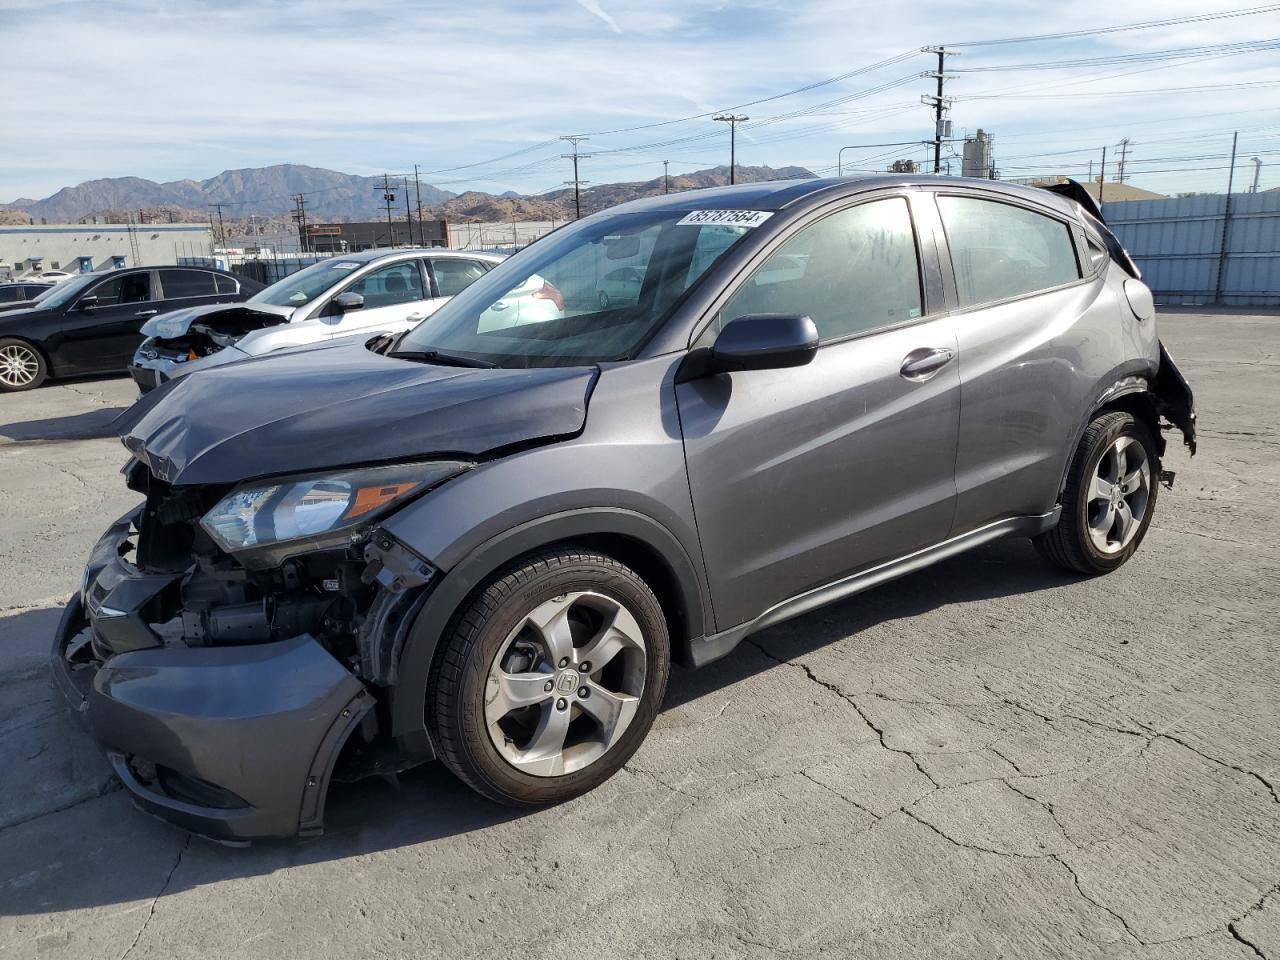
x=83, y=248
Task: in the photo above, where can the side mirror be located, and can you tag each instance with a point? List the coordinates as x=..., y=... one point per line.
x=348, y=300
x=764, y=341
x=86, y=303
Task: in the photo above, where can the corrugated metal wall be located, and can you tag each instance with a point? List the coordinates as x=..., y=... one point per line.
x=1179, y=245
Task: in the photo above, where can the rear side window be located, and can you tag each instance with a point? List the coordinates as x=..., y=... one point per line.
x=851, y=272
x=186, y=283
x=1001, y=251
x=225, y=284
x=10, y=294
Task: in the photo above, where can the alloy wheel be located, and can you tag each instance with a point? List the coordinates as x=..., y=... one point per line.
x=1119, y=491
x=565, y=684
x=19, y=365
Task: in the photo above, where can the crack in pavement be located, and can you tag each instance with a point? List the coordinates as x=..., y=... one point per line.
x=1147, y=734
x=835, y=688
x=151, y=910
x=110, y=786
x=1235, y=932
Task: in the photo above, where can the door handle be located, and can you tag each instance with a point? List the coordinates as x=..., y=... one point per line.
x=415, y=317
x=146, y=313
x=924, y=363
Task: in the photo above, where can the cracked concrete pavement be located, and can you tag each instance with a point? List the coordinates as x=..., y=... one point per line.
x=988, y=758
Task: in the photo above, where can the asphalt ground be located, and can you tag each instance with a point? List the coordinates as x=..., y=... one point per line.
x=986, y=759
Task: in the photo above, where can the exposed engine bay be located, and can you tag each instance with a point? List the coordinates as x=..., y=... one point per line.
x=345, y=598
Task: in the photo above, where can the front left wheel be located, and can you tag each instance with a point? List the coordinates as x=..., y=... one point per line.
x=22, y=366
x=550, y=677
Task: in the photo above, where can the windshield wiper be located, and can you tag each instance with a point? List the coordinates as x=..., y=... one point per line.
x=440, y=357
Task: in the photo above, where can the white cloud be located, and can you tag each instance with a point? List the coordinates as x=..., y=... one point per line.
x=594, y=8
x=113, y=89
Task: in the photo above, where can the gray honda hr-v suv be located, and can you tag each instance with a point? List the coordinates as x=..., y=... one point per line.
x=486, y=540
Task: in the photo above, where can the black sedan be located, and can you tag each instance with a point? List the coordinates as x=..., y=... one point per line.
x=90, y=324
x=16, y=296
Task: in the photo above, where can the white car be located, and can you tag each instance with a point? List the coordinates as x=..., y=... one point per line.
x=49, y=276
x=535, y=300
x=372, y=292
x=620, y=287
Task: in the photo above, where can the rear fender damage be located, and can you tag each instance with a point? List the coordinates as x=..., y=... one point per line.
x=1174, y=399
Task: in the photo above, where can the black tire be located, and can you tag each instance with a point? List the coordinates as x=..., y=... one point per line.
x=11, y=349
x=456, y=691
x=1068, y=544
x=604, y=300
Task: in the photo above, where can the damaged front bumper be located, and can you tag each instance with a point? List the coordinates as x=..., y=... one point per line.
x=152, y=365
x=232, y=742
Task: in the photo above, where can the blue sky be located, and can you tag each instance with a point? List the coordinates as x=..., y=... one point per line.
x=171, y=89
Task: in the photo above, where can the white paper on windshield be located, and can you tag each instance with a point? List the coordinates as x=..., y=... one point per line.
x=726, y=218
x=344, y=265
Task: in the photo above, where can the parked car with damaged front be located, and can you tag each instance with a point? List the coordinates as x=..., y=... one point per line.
x=486, y=540
x=374, y=291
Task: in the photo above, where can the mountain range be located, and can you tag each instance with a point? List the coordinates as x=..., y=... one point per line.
x=268, y=193
x=260, y=191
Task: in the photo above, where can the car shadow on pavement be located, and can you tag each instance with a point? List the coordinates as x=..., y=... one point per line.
x=90, y=425
x=999, y=569
x=98, y=851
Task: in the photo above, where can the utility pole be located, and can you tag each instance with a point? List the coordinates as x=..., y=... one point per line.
x=1123, y=150
x=666, y=181
x=733, y=122
x=304, y=242
x=575, y=182
x=1221, y=281
x=939, y=103
x=408, y=214
x=222, y=233
x=1102, y=178
x=417, y=187
x=389, y=198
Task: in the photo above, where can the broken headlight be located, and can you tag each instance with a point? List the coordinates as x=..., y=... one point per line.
x=328, y=508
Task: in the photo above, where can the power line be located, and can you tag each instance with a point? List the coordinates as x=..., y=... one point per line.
x=1140, y=25
x=1177, y=53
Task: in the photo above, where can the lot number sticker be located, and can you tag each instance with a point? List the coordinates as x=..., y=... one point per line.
x=727, y=218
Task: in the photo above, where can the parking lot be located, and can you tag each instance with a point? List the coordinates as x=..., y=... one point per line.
x=989, y=758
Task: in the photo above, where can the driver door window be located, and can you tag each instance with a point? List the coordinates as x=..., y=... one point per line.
x=392, y=285
x=852, y=272
x=130, y=288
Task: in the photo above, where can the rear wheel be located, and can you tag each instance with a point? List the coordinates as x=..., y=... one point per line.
x=604, y=300
x=550, y=677
x=22, y=366
x=1109, y=498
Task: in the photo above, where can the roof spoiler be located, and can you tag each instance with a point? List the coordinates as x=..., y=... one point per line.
x=1072, y=190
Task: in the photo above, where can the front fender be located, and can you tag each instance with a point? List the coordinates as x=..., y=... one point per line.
x=410, y=690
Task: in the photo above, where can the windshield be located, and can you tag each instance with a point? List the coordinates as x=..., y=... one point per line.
x=305, y=285
x=67, y=290
x=590, y=292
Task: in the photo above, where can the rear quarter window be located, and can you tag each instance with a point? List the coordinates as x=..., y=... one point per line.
x=999, y=251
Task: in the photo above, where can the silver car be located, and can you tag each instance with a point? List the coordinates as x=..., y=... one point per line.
x=375, y=291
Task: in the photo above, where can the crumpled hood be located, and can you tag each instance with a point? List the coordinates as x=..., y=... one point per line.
x=315, y=409
x=176, y=323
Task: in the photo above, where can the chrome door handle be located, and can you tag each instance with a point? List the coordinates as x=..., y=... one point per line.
x=146, y=313
x=415, y=317
x=924, y=363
